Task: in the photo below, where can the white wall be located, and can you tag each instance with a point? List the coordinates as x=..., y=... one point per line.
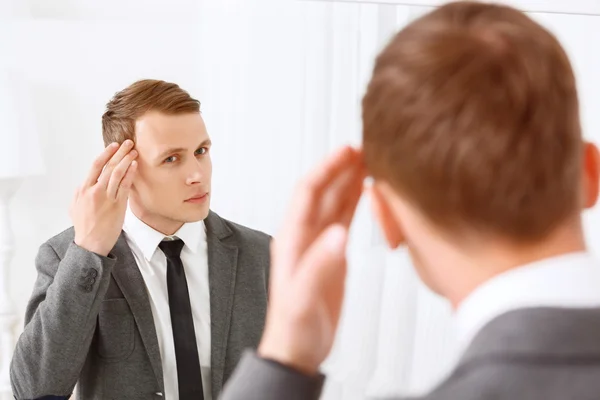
x=280, y=82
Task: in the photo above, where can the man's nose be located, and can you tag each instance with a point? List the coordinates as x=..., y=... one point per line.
x=195, y=173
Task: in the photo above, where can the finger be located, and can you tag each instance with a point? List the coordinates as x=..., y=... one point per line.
x=299, y=228
x=337, y=204
x=354, y=194
x=310, y=187
x=324, y=174
x=118, y=173
x=343, y=191
x=126, y=183
x=106, y=174
x=99, y=164
x=349, y=191
x=322, y=272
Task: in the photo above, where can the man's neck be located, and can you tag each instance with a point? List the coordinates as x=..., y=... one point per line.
x=160, y=224
x=500, y=257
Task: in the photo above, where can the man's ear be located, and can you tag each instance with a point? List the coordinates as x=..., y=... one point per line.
x=386, y=218
x=591, y=174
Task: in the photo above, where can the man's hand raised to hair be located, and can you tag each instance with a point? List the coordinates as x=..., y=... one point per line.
x=308, y=261
x=98, y=208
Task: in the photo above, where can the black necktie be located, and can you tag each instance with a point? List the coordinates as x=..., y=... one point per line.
x=189, y=377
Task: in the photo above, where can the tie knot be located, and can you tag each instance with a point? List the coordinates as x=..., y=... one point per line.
x=171, y=248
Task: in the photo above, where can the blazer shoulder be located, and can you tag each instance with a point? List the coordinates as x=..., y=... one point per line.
x=245, y=234
x=249, y=234
x=493, y=379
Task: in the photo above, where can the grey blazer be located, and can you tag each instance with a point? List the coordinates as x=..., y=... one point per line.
x=528, y=354
x=89, y=319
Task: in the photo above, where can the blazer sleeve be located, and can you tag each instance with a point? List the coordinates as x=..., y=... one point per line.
x=60, y=321
x=258, y=379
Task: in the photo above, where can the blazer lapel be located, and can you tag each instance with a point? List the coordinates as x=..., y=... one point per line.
x=131, y=283
x=222, y=267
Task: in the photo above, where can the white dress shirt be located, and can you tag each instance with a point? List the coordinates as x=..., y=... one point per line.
x=143, y=241
x=569, y=281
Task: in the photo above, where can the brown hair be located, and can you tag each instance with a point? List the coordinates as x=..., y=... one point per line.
x=472, y=115
x=118, y=122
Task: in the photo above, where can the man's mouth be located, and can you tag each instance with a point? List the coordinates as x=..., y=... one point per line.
x=199, y=198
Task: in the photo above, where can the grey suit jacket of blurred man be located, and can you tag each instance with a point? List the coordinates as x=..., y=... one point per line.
x=525, y=354
x=89, y=319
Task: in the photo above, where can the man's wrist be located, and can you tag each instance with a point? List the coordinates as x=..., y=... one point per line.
x=97, y=249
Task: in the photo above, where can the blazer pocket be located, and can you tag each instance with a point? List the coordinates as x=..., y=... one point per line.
x=116, y=338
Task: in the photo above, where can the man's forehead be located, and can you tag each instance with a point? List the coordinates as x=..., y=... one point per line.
x=170, y=129
x=158, y=121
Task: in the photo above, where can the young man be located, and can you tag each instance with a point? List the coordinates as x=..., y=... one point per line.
x=150, y=294
x=473, y=138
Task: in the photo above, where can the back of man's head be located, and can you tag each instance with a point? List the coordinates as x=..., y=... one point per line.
x=472, y=116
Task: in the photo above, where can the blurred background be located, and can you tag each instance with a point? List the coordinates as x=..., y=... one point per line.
x=280, y=83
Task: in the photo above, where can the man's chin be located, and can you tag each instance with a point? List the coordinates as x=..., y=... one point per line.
x=196, y=215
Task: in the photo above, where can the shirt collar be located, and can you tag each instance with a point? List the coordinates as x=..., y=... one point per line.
x=148, y=239
x=570, y=280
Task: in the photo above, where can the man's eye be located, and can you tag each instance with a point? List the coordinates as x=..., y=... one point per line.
x=170, y=159
x=201, y=151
